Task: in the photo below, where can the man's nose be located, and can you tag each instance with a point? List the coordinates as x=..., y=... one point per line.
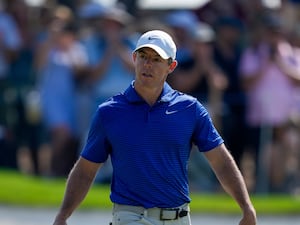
x=148, y=62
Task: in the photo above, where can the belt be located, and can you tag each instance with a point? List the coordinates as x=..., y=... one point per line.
x=157, y=213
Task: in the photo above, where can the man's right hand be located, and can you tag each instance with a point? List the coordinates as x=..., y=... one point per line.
x=60, y=222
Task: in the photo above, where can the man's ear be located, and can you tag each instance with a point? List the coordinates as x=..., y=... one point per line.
x=172, y=66
x=134, y=56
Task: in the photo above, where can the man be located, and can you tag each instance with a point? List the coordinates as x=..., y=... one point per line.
x=148, y=132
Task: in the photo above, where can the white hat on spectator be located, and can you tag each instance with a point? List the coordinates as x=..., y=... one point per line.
x=203, y=32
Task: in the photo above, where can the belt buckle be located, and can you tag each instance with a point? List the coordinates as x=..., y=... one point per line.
x=164, y=214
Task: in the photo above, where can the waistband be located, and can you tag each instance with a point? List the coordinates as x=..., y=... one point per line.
x=157, y=213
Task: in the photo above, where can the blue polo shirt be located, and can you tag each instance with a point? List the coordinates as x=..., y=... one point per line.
x=150, y=145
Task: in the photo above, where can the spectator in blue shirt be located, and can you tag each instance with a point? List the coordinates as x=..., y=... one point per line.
x=109, y=46
x=148, y=131
x=63, y=65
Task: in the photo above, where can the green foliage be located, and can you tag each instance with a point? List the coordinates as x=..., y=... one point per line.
x=24, y=190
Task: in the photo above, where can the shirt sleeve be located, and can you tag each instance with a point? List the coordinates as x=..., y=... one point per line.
x=205, y=136
x=97, y=147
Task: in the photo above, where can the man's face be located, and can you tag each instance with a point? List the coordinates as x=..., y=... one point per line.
x=150, y=68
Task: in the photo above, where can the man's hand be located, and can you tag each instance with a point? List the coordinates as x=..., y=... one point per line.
x=60, y=222
x=249, y=217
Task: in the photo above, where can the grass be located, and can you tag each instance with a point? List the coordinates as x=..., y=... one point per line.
x=23, y=190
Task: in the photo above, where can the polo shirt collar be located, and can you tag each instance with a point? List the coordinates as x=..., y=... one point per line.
x=132, y=96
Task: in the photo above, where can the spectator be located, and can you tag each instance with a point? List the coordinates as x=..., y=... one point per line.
x=113, y=68
x=181, y=23
x=27, y=125
x=52, y=18
x=226, y=53
x=10, y=45
x=109, y=50
x=291, y=65
x=269, y=90
x=89, y=15
x=64, y=62
x=199, y=76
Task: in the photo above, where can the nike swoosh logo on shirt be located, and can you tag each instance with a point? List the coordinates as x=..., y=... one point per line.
x=168, y=112
x=171, y=112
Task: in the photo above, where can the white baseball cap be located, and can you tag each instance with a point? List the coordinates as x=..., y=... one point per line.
x=159, y=41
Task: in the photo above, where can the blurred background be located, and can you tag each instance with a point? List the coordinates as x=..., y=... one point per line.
x=59, y=59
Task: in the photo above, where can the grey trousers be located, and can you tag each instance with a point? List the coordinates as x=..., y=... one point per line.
x=133, y=215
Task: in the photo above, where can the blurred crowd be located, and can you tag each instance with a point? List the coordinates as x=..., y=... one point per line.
x=241, y=59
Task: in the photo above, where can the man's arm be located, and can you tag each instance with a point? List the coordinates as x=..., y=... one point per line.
x=78, y=184
x=232, y=181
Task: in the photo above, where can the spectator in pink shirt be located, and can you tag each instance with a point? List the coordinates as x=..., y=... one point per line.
x=265, y=71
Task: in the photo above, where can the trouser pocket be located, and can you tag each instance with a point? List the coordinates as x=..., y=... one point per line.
x=126, y=218
x=181, y=221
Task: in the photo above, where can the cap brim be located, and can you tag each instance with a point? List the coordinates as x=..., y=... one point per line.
x=159, y=50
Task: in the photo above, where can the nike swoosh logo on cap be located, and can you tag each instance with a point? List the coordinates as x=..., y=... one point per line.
x=152, y=38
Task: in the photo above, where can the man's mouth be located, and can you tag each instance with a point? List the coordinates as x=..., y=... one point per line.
x=146, y=74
